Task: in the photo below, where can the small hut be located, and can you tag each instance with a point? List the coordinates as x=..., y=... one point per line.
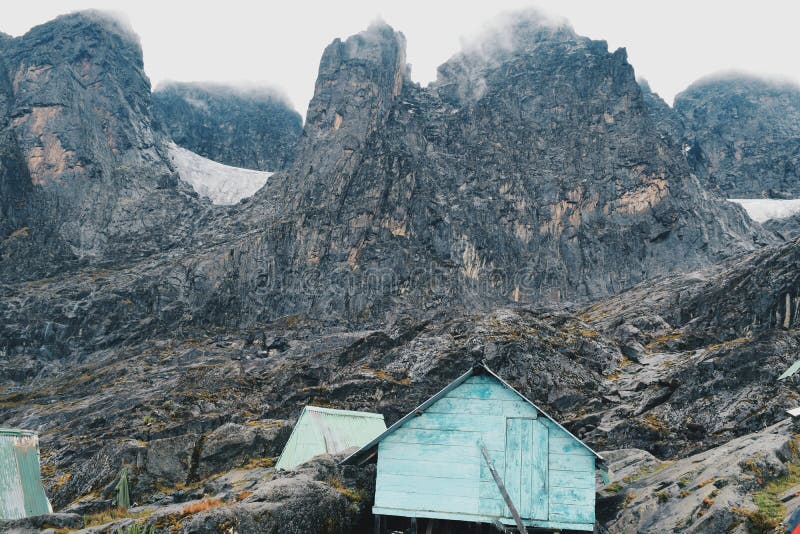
x=479, y=451
x=21, y=490
x=328, y=431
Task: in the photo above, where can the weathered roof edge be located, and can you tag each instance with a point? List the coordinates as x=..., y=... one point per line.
x=16, y=432
x=452, y=385
x=336, y=411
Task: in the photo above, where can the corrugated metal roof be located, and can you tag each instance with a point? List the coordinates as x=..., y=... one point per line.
x=325, y=430
x=479, y=368
x=21, y=491
x=790, y=371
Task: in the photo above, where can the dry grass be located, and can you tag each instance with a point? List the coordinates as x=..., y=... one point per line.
x=108, y=516
x=200, y=506
x=254, y=463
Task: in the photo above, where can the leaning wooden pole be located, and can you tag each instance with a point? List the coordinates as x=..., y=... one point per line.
x=503, y=492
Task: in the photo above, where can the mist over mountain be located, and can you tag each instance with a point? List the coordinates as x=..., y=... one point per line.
x=536, y=208
x=250, y=127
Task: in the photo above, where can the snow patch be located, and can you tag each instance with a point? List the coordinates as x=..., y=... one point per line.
x=764, y=209
x=222, y=184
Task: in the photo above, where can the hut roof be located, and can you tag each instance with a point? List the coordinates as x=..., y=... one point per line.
x=480, y=368
x=325, y=430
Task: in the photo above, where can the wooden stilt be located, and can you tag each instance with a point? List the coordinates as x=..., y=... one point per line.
x=378, y=529
x=429, y=529
x=413, y=525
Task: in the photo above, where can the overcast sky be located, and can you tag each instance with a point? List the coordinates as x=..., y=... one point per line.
x=669, y=43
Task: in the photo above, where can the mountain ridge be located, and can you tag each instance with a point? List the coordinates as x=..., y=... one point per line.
x=535, y=208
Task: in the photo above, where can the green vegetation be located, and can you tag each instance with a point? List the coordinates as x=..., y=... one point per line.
x=123, y=499
x=614, y=487
x=770, y=510
x=356, y=495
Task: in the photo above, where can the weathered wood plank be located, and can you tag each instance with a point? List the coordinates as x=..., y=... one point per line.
x=481, y=379
x=426, y=436
x=431, y=453
x=572, y=495
x=487, y=390
x=513, y=467
x=435, y=485
x=571, y=479
x=519, y=408
x=500, y=486
x=573, y=513
x=539, y=470
x=567, y=445
x=451, y=470
x=571, y=462
x=462, y=423
x=425, y=501
x=467, y=406
x=527, y=460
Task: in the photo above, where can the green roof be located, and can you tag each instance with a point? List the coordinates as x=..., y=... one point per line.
x=325, y=430
x=21, y=491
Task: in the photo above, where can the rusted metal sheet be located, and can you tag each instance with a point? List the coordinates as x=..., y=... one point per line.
x=21, y=490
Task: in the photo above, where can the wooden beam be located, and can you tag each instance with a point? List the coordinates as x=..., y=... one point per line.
x=503, y=492
x=429, y=528
x=413, y=525
x=378, y=529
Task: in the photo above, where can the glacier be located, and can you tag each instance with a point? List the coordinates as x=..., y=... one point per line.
x=764, y=209
x=221, y=184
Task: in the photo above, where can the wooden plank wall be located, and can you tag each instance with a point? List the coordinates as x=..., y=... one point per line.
x=433, y=462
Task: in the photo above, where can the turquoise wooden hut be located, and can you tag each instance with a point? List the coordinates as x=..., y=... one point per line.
x=328, y=431
x=479, y=451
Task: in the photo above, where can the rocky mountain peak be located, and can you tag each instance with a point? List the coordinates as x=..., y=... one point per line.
x=358, y=81
x=358, y=84
x=744, y=134
x=78, y=110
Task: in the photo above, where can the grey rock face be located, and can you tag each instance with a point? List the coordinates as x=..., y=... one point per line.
x=84, y=177
x=528, y=171
x=707, y=492
x=250, y=128
x=744, y=135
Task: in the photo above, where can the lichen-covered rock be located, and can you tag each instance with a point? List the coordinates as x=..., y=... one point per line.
x=231, y=445
x=712, y=491
x=319, y=496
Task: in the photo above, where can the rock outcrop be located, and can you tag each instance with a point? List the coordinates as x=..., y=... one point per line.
x=85, y=179
x=743, y=135
x=253, y=128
